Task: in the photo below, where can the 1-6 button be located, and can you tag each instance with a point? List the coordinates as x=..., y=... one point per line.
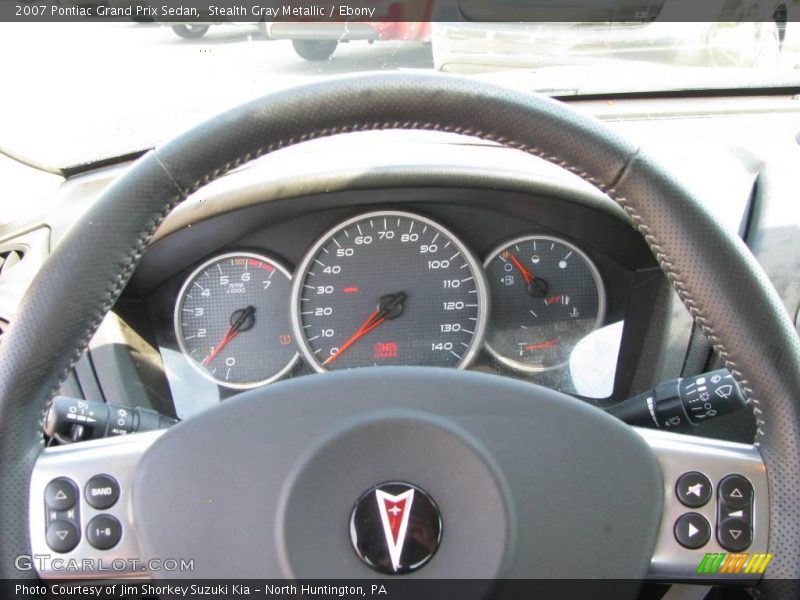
x=104, y=532
x=102, y=492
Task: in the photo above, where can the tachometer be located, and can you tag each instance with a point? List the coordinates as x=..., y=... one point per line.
x=389, y=288
x=232, y=320
x=546, y=296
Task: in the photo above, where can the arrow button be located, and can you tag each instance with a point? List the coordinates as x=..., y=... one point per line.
x=692, y=531
x=736, y=491
x=734, y=535
x=61, y=494
x=62, y=536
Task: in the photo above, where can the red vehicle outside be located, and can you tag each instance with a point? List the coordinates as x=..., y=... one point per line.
x=392, y=21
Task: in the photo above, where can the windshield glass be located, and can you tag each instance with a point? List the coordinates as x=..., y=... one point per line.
x=81, y=91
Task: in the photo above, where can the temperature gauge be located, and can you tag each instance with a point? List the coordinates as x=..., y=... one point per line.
x=546, y=295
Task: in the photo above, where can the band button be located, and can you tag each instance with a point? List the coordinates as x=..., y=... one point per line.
x=102, y=492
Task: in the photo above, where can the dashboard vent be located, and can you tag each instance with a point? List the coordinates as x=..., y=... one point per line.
x=9, y=259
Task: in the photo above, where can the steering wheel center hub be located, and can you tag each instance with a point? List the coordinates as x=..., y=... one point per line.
x=510, y=488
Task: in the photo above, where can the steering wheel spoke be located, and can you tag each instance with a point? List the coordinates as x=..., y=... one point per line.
x=714, y=525
x=715, y=522
x=81, y=518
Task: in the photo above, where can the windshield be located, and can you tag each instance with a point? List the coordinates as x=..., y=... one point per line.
x=81, y=91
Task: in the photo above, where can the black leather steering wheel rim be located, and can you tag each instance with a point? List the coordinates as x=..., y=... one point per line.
x=716, y=277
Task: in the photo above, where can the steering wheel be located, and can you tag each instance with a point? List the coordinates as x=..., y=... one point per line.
x=526, y=482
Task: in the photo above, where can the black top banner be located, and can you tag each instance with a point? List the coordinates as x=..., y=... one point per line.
x=374, y=11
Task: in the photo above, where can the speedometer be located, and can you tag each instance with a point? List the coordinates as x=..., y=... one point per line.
x=389, y=288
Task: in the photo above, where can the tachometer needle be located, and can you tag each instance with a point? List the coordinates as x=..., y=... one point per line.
x=241, y=320
x=389, y=307
x=547, y=344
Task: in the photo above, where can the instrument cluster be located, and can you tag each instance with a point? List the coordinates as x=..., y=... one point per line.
x=391, y=288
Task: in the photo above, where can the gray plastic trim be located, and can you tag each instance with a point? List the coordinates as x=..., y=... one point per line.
x=116, y=456
x=119, y=457
x=678, y=454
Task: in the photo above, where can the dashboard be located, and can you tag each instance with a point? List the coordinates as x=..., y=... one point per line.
x=491, y=204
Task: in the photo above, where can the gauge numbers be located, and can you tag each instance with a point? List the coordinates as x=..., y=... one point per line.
x=232, y=322
x=389, y=288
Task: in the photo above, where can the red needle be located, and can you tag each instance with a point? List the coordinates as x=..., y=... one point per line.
x=525, y=273
x=371, y=323
x=241, y=320
x=552, y=300
x=229, y=335
x=547, y=344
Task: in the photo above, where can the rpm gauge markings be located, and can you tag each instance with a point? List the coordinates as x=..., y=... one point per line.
x=546, y=296
x=231, y=320
x=389, y=288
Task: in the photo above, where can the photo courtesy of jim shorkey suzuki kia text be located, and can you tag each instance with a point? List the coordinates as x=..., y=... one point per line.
x=191, y=590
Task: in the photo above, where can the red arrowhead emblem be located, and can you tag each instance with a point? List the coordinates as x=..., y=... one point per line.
x=395, y=511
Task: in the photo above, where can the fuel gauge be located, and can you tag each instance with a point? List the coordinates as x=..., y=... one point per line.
x=546, y=295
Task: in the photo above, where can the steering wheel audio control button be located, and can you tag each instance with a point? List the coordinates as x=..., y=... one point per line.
x=104, y=532
x=62, y=536
x=734, y=535
x=61, y=494
x=102, y=492
x=736, y=491
x=693, y=489
x=692, y=531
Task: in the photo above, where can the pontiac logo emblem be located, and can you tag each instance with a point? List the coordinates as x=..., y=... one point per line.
x=394, y=517
x=395, y=528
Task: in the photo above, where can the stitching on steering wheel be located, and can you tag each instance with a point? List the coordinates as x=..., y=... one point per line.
x=112, y=293
x=691, y=305
x=118, y=284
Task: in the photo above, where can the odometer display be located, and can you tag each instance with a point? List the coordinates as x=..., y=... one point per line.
x=389, y=288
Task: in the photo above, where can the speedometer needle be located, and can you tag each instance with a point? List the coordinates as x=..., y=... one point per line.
x=241, y=320
x=389, y=307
